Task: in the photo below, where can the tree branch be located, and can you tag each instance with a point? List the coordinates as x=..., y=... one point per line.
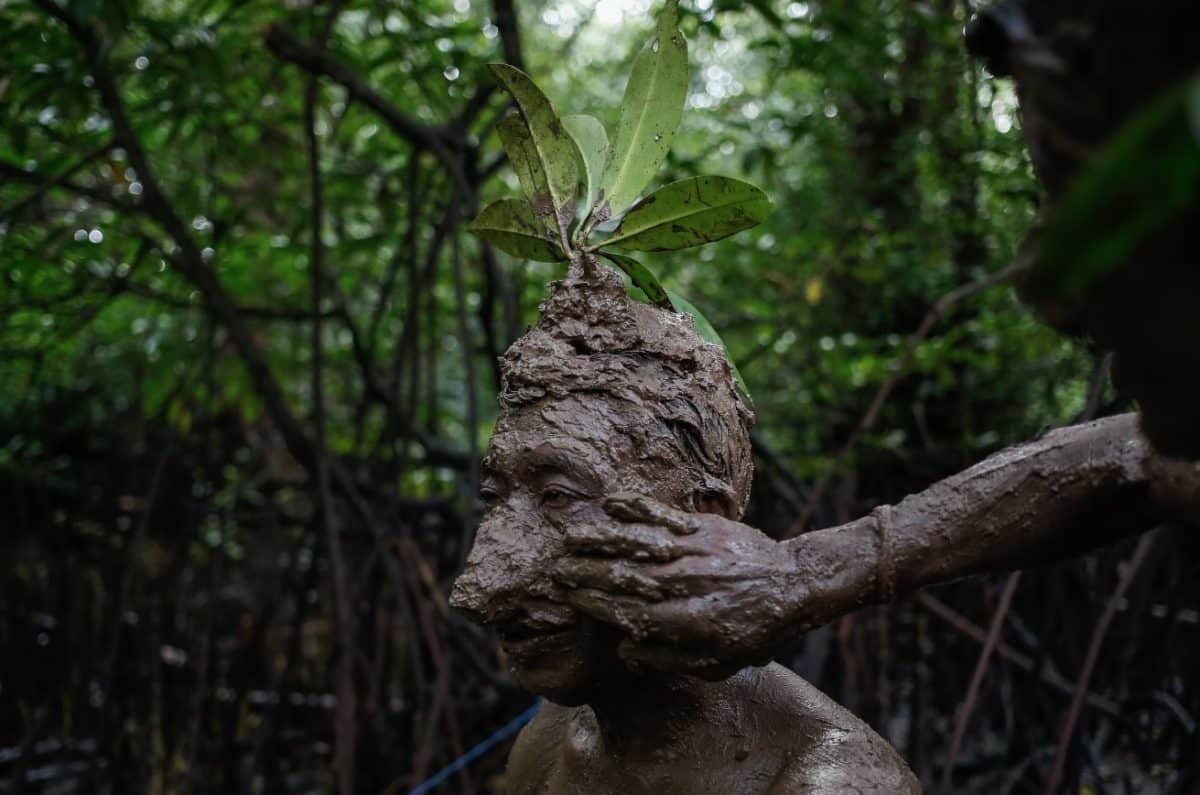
x=507, y=23
x=445, y=142
x=345, y=721
x=47, y=183
x=1089, y=663
x=189, y=261
x=280, y=314
x=1011, y=655
x=899, y=370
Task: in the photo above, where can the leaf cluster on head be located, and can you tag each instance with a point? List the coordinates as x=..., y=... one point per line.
x=553, y=155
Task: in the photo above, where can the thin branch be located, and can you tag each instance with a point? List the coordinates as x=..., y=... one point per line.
x=789, y=486
x=467, y=350
x=405, y=254
x=319, y=62
x=345, y=729
x=1067, y=734
x=47, y=182
x=1012, y=656
x=981, y=666
x=281, y=314
x=190, y=261
x=445, y=142
x=56, y=180
x=507, y=22
x=1096, y=386
x=899, y=370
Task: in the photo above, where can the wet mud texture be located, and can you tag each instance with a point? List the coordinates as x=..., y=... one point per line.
x=607, y=395
x=1081, y=71
x=763, y=730
x=592, y=341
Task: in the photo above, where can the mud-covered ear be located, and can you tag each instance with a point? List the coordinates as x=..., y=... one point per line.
x=709, y=501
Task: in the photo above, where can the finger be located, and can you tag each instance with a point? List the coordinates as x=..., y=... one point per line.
x=610, y=576
x=638, y=542
x=676, y=659
x=631, y=507
x=623, y=612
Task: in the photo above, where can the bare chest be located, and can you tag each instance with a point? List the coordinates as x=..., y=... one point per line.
x=708, y=759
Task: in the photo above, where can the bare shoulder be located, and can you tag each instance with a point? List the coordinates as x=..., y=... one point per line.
x=534, y=759
x=834, y=751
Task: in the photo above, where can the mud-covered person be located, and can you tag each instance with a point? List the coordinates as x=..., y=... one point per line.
x=605, y=399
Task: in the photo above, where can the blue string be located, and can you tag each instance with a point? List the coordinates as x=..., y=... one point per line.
x=479, y=750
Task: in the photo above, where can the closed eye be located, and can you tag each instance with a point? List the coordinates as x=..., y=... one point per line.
x=556, y=497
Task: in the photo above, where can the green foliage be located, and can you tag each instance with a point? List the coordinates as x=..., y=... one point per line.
x=880, y=143
x=642, y=279
x=523, y=156
x=1136, y=185
x=552, y=147
x=510, y=225
x=592, y=141
x=545, y=151
x=690, y=213
x=650, y=114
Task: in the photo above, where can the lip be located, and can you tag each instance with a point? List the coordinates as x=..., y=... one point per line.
x=526, y=644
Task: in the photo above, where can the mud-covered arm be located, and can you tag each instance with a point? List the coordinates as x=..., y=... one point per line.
x=703, y=593
x=1071, y=491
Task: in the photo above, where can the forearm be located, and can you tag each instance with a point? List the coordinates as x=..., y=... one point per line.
x=677, y=581
x=1071, y=491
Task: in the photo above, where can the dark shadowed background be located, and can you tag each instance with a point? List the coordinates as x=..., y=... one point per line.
x=247, y=367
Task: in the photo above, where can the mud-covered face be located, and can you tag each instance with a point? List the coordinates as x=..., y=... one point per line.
x=603, y=395
x=549, y=466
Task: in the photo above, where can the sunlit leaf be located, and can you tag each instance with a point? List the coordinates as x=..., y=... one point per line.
x=709, y=334
x=511, y=226
x=589, y=136
x=650, y=114
x=554, y=147
x=642, y=278
x=689, y=213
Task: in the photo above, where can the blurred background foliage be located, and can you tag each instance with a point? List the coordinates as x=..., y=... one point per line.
x=169, y=585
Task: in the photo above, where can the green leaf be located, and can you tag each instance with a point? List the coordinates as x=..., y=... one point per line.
x=553, y=146
x=709, y=334
x=511, y=226
x=518, y=144
x=642, y=278
x=589, y=136
x=689, y=213
x=650, y=114
x=1142, y=181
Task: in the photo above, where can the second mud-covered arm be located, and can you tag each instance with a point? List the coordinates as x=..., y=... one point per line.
x=703, y=593
x=1071, y=491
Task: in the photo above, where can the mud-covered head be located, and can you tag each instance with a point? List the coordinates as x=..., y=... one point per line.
x=604, y=395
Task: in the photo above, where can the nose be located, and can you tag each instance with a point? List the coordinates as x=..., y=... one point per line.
x=509, y=563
